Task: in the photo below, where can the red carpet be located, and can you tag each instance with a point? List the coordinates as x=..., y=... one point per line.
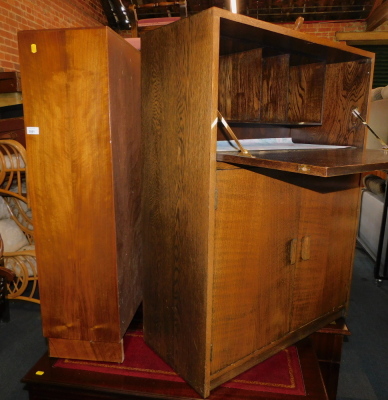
x=279, y=374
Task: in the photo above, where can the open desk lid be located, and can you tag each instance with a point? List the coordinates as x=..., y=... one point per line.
x=323, y=162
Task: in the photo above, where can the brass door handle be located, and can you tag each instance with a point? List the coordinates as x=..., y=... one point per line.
x=293, y=243
x=305, y=248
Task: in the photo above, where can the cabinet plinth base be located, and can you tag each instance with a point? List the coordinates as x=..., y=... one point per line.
x=262, y=354
x=86, y=350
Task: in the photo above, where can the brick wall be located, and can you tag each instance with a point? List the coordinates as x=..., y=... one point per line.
x=16, y=15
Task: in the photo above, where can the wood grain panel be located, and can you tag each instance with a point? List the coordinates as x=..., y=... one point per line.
x=59, y=167
x=346, y=88
x=306, y=89
x=256, y=220
x=178, y=119
x=125, y=130
x=274, y=95
x=67, y=88
x=329, y=219
x=240, y=85
x=86, y=350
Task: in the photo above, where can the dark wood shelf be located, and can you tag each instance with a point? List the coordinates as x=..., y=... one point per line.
x=324, y=163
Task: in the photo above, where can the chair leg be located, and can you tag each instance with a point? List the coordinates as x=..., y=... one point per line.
x=5, y=276
x=5, y=314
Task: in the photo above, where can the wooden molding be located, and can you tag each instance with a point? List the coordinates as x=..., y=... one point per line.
x=377, y=17
x=362, y=38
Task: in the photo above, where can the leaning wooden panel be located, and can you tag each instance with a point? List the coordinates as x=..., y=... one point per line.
x=125, y=120
x=179, y=131
x=81, y=156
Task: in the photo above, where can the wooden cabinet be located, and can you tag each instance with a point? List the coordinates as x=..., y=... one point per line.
x=282, y=257
x=81, y=90
x=244, y=256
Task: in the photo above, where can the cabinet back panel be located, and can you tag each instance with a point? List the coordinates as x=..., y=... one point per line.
x=345, y=89
x=274, y=96
x=306, y=93
x=240, y=85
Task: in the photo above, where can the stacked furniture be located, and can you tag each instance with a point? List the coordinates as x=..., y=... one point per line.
x=146, y=15
x=11, y=107
x=16, y=225
x=82, y=116
x=6, y=276
x=245, y=255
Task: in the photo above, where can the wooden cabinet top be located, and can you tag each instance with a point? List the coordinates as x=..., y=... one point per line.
x=241, y=33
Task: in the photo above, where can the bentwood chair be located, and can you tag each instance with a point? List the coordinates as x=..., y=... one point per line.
x=16, y=226
x=6, y=277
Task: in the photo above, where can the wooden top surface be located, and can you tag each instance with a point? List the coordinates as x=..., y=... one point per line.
x=324, y=163
x=251, y=29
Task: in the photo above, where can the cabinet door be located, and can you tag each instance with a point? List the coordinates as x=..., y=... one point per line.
x=256, y=221
x=326, y=242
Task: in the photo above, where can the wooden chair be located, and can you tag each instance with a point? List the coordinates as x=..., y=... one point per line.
x=145, y=15
x=16, y=223
x=6, y=276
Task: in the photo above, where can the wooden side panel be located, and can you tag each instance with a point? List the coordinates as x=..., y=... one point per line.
x=179, y=82
x=240, y=85
x=125, y=120
x=346, y=87
x=274, y=95
x=256, y=224
x=306, y=93
x=66, y=94
x=327, y=235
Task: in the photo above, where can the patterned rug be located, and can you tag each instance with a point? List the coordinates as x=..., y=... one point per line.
x=279, y=374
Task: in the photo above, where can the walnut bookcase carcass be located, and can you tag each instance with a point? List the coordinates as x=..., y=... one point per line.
x=244, y=256
x=81, y=91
